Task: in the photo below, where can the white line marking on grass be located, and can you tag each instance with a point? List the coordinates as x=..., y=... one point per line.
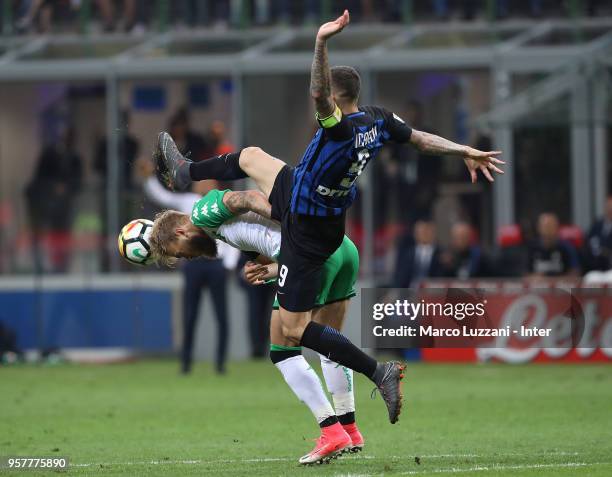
x=497, y=467
x=263, y=460
x=186, y=462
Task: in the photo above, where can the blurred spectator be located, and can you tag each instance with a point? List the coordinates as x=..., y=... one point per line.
x=41, y=13
x=9, y=352
x=216, y=144
x=187, y=140
x=192, y=12
x=130, y=18
x=418, y=256
x=220, y=12
x=190, y=143
x=464, y=259
x=512, y=256
x=38, y=13
x=548, y=255
x=260, y=299
x=263, y=12
x=218, y=139
x=443, y=8
x=198, y=273
x=51, y=196
x=598, y=251
x=421, y=171
x=129, y=147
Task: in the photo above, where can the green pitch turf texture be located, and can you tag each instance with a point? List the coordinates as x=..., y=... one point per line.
x=145, y=419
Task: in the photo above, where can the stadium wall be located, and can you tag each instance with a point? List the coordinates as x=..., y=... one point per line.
x=134, y=313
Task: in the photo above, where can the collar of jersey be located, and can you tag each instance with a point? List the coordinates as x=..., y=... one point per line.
x=358, y=113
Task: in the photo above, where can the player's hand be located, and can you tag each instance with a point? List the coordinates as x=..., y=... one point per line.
x=329, y=29
x=476, y=160
x=258, y=274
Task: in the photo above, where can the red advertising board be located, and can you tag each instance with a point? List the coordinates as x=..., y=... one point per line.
x=545, y=304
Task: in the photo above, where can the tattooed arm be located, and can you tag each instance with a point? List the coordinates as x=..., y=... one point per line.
x=475, y=160
x=432, y=144
x=240, y=202
x=320, y=74
x=320, y=80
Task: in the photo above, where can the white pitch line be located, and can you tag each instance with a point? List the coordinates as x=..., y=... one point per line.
x=496, y=467
x=348, y=457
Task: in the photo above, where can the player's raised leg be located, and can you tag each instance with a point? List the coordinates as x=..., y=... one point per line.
x=250, y=162
x=259, y=166
x=338, y=378
x=305, y=383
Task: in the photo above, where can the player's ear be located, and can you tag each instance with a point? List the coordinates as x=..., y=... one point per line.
x=180, y=232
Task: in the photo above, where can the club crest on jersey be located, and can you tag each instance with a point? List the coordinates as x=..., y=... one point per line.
x=365, y=138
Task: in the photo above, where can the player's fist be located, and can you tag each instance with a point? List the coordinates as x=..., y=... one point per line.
x=329, y=29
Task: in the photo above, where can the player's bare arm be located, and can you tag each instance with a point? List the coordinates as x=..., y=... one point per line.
x=475, y=160
x=240, y=202
x=320, y=74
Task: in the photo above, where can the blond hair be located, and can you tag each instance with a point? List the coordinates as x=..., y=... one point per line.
x=163, y=234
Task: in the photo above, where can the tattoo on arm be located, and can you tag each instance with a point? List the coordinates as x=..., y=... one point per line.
x=240, y=202
x=432, y=144
x=320, y=80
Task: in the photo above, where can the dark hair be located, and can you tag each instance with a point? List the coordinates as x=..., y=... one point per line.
x=346, y=82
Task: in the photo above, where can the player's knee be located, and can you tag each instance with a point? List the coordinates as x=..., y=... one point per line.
x=249, y=156
x=293, y=332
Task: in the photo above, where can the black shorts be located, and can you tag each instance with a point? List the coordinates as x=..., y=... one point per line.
x=306, y=243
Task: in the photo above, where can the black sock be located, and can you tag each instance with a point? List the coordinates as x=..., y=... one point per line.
x=348, y=418
x=225, y=167
x=281, y=355
x=330, y=421
x=331, y=343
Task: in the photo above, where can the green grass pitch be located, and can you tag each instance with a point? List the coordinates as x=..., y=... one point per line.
x=145, y=419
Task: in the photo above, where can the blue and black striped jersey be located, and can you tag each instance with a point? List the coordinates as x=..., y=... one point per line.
x=324, y=180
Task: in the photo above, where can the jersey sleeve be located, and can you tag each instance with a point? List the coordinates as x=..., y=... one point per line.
x=396, y=129
x=210, y=212
x=336, y=126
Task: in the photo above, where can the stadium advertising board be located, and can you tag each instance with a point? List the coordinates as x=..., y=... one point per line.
x=511, y=322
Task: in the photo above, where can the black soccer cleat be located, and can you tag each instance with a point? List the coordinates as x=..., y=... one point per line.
x=390, y=387
x=178, y=166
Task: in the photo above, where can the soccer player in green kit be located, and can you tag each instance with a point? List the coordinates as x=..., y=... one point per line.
x=234, y=217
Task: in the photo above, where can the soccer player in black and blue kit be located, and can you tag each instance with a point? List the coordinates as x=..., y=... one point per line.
x=310, y=201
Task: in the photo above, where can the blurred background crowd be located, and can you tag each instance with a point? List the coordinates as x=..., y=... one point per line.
x=137, y=16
